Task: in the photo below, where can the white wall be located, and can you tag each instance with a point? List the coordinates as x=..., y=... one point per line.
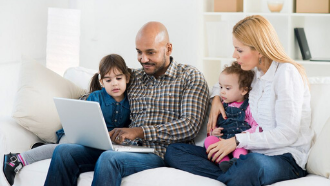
x=111, y=27
x=107, y=26
x=23, y=25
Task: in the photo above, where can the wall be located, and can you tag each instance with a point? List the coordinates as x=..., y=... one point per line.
x=111, y=27
x=23, y=28
x=107, y=26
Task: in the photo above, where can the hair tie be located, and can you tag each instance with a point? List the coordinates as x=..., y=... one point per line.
x=99, y=76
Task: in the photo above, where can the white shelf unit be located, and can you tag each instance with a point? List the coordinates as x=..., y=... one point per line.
x=216, y=54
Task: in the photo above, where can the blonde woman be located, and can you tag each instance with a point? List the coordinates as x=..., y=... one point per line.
x=280, y=104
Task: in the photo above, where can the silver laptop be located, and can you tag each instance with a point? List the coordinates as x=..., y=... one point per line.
x=84, y=124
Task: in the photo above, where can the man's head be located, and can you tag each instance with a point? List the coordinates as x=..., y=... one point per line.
x=153, y=48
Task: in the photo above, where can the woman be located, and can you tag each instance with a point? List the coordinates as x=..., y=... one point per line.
x=280, y=104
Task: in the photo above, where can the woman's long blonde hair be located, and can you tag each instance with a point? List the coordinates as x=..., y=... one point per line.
x=258, y=33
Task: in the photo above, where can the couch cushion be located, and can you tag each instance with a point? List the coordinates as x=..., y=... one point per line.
x=167, y=176
x=310, y=179
x=320, y=99
x=34, y=108
x=35, y=175
x=318, y=160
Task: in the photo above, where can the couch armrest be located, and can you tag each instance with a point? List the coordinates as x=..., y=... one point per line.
x=13, y=138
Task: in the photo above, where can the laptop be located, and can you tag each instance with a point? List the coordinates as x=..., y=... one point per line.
x=84, y=124
x=304, y=48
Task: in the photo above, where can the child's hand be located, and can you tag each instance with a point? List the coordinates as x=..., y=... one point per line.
x=217, y=132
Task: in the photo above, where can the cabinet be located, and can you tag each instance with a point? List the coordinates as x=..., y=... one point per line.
x=217, y=37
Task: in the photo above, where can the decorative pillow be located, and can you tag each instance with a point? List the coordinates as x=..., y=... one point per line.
x=318, y=159
x=34, y=108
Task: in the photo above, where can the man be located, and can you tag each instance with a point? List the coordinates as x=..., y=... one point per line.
x=168, y=103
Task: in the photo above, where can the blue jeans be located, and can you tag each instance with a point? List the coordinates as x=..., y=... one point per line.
x=251, y=169
x=69, y=160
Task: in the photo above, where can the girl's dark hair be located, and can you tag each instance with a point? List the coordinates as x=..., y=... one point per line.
x=108, y=63
x=245, y=78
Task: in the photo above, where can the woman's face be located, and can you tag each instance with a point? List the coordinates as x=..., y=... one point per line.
x=245, y=56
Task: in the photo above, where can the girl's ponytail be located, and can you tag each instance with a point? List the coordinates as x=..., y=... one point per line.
x=95, y=83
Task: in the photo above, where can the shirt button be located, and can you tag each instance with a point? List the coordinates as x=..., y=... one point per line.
x=116, y=112
x=115, y=120
x=117, y=103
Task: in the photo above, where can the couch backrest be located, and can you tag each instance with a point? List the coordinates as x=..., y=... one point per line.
x=320, y=102
x=319, y=86
x=80, y=76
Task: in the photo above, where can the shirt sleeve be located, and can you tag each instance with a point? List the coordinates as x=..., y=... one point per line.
x=288, y=90
x=194, y=104
x=215, y=90
x=249, y=119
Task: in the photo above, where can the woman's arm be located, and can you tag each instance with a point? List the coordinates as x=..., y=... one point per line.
x=289, y=89
x=216, y=109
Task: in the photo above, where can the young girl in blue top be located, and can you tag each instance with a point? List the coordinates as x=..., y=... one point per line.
x=108, y=87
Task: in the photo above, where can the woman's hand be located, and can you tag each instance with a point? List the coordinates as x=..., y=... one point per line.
x=221, y=149
x=216, y=109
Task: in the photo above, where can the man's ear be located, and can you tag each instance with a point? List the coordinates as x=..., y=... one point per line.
x=168, y=49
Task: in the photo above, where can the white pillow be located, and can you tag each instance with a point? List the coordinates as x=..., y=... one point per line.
x=80, y=76
x=34, y=108
x=318, y=159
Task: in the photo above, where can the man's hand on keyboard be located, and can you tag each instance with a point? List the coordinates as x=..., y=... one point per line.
x=119, y=135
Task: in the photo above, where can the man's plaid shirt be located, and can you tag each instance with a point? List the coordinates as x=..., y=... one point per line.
x=169, y=109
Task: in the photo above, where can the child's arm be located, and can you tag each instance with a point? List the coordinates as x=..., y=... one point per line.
x=216, y=132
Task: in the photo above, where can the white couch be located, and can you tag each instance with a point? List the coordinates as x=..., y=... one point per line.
x=15, y=138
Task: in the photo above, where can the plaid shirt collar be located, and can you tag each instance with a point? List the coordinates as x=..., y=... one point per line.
x=171, y=72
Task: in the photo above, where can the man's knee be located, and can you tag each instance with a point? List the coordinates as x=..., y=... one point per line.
x=173, y=149
x=112, y=157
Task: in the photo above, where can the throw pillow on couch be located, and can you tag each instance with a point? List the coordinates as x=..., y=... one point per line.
x=34, y=108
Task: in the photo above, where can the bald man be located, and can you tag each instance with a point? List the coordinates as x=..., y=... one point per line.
x=168, y=103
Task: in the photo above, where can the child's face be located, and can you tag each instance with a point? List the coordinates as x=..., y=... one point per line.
x=115, y=83
x=229, y=88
